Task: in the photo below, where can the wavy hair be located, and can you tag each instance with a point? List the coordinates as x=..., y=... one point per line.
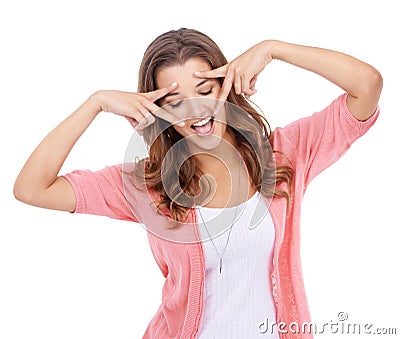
x=251, y=131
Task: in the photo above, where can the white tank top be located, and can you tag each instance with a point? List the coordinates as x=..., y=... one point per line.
x=237, y=300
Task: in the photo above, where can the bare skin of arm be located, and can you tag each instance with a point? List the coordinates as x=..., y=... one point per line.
x=362, y=81
x=39, y=183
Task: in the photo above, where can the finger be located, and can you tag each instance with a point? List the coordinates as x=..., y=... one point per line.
x=132, y=121
x=159, y=93
x=225, y=89
x=215, y=73
x=251, y=92
x=146, y=119
x=253, y=82
x=139, y=130
x=161, y=113
x=238, y=83
x=245, y=84
x=226, y=86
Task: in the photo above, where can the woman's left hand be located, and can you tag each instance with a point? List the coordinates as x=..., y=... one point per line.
x=241, y=72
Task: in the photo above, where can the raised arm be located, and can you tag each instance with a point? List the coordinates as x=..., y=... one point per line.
x=39, y=184
x=362, y=81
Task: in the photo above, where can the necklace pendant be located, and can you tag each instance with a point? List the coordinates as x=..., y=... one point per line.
x=220, y=265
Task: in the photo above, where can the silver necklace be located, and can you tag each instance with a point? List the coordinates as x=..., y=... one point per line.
x=230, y=229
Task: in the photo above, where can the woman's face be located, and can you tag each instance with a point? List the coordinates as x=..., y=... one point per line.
x=194, y=101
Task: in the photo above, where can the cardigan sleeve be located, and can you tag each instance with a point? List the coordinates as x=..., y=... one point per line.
x=313, y=143
x=101, y=192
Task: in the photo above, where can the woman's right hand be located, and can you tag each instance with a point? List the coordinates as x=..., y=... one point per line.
x=138, y=108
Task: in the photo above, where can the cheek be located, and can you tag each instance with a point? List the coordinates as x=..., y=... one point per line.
x=180, y=130
x=220, y=128
x=216, y=91
x=221, y=117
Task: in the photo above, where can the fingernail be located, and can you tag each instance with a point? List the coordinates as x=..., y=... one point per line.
x=173, y=84
x=181, y=123
x=197, y=73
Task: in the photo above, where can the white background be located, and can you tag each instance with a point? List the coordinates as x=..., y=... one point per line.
x=80, y=276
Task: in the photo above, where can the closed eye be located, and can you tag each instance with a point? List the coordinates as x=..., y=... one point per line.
x=177, y=104
x=206, y=93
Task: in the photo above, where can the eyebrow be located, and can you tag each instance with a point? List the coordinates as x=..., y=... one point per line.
x=176, y=93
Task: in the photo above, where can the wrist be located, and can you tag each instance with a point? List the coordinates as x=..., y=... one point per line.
x=273, y=48
x=95, y=102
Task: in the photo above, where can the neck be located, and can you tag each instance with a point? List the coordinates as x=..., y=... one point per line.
x=220, y=159
x=223, y=164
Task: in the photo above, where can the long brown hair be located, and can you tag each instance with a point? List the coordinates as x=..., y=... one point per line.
x=251, y=131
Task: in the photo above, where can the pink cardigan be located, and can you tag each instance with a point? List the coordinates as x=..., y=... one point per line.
x=311, y=144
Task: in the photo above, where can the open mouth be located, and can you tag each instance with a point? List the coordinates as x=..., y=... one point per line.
x=204, y=126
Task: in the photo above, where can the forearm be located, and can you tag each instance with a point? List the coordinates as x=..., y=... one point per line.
x=362, y=81
x=41, y=169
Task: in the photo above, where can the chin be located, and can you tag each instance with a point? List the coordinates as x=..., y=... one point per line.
x=209, y=144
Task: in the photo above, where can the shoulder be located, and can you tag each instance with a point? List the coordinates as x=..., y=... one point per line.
x=333, y=122
x=316, y=141
x=293, y=130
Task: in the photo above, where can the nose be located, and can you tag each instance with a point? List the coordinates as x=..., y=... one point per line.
x=197, y=107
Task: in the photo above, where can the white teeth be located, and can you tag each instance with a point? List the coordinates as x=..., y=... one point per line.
x=202, y=122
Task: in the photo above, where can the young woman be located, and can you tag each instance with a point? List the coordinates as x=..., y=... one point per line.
x=219, y=194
